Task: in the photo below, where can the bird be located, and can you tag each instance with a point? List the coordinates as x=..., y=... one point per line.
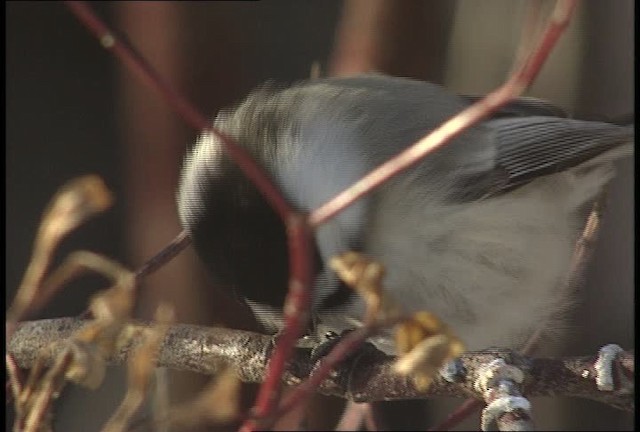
x=480, y=232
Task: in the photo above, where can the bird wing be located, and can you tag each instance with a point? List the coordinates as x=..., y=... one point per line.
x=523, y=107
x=531, y=147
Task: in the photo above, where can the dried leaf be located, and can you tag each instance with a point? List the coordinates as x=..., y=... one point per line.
x=365, y=276
x=424, y=344
x=141, y=365
x=74, y=203
x=88, y=366
x=219, y=402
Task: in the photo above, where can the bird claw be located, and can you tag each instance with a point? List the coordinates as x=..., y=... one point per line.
x=453, y=371
x=500, y=385
x=324, y=347
x=604, y=367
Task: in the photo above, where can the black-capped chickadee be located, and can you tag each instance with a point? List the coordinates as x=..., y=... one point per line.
x=481, y=232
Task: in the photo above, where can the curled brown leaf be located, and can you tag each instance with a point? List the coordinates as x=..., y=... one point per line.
x=424, y=344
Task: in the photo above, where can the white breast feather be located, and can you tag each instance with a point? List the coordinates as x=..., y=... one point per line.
x=492, y=270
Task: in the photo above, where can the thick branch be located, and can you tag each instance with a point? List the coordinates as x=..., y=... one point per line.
x=366, y=378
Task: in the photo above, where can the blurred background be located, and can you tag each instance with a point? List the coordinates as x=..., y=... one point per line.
x=72, y=109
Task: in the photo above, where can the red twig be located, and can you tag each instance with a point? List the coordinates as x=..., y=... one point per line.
x=167, y=253
x=299, y=235
x=347, y=345
x=518, y=82
x=138, y=65
x=295, y=312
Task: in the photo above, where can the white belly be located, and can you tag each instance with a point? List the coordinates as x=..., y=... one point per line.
x=493, y=270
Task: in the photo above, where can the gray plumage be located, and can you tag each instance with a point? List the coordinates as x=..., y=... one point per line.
x=480, y=232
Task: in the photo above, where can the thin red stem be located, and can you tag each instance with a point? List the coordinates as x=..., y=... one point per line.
x=167, y=253
x=127, y=54
x=295, y=314
x=347, y=345
x=456, y=125
x=299, y=235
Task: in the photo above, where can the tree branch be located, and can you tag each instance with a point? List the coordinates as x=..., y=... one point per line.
x=367, y=377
